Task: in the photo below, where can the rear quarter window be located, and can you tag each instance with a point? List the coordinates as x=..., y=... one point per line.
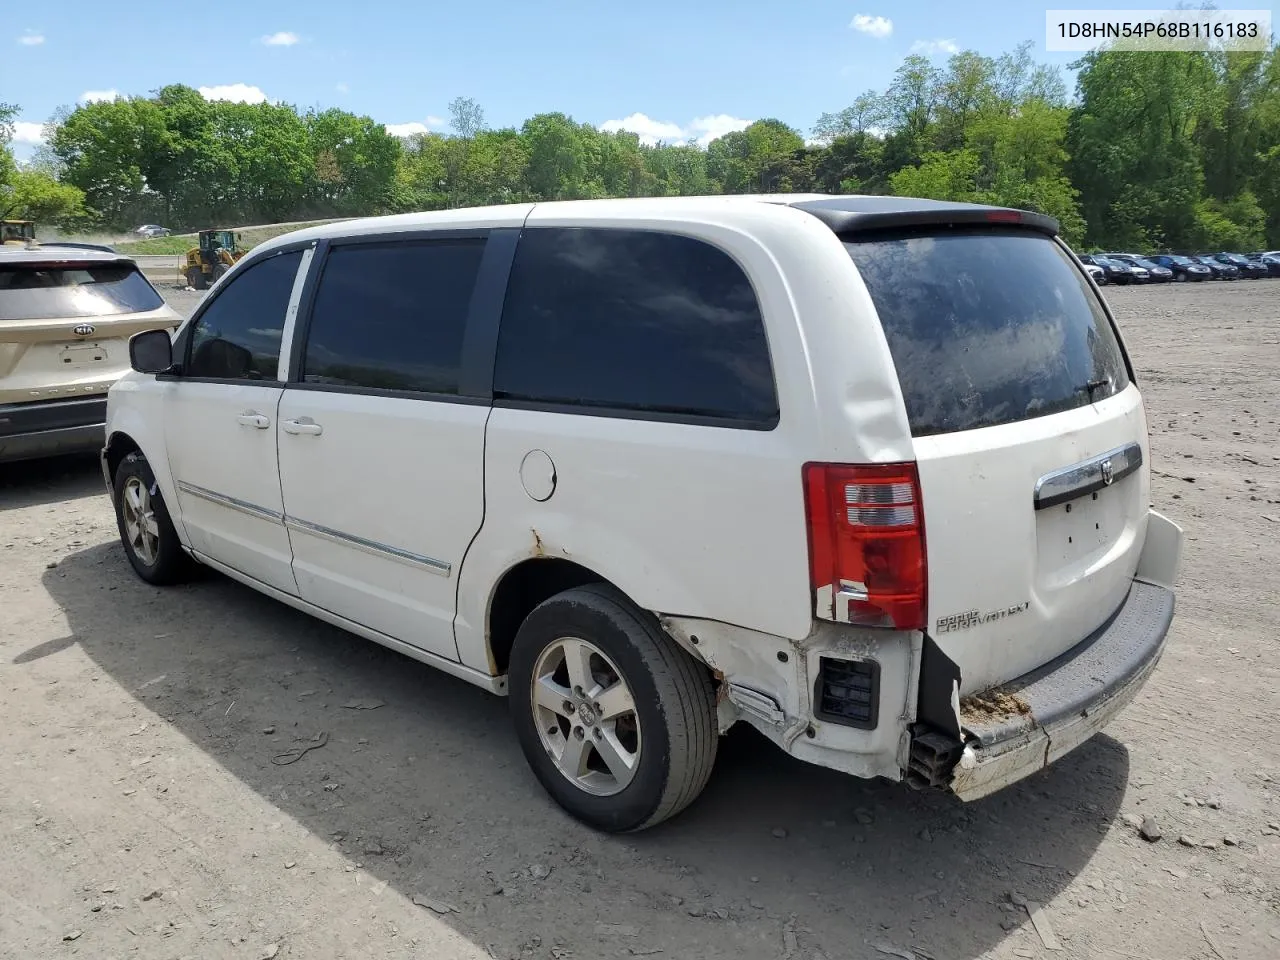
x=634, y=323
x=39, y=291
x=988, y=327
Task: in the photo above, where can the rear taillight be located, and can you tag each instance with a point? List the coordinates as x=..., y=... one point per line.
x=866, y=544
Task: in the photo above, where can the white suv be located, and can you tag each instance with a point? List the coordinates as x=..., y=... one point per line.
x=869, y=474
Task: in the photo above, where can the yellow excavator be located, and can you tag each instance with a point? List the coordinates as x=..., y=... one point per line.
x=17, y=232
x=215, y=253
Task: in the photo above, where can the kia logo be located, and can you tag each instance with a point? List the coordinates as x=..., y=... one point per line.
x=84, y=330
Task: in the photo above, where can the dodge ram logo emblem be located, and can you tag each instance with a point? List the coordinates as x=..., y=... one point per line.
x=1107, y=475
x=84, y=330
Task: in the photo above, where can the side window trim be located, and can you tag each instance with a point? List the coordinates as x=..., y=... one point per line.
x=291, y=314
x=302, y=318
x=186, y=333
x=480, y=331
x=484, y=318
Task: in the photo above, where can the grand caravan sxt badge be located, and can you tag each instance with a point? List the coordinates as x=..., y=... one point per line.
x=975, y=618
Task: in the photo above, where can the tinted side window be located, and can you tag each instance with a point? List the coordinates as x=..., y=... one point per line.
x=238, y=336
x=988, y=328
x=391, y=316
x=633, y=320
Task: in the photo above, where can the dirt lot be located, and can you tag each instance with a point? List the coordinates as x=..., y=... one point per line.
x=145, y=817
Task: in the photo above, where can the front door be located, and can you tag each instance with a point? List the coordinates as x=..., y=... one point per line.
x=220, y=425
x=381, y=459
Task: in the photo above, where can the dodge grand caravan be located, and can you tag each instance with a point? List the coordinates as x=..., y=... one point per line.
x=66, y=315
x=653, y=467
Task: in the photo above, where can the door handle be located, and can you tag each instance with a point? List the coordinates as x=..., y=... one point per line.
x=251, y=419
x=303, y=426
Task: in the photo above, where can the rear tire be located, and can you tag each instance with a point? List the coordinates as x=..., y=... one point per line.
x=146, y=530
x=644, y=701
x=1180, y=278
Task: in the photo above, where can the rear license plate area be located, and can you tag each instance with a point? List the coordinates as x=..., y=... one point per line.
x=83, y=353
x=1077, y=533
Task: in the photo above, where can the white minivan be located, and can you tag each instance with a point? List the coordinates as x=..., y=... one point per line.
x=870, y=474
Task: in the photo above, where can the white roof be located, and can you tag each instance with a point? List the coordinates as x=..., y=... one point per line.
x=515, y=214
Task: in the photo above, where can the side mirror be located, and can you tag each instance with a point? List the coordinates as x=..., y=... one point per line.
x=151, y=351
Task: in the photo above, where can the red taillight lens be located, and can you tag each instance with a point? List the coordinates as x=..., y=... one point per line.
x=1004, y=216
x=866, y=544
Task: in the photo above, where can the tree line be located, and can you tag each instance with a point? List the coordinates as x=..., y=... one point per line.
x=1155, y=150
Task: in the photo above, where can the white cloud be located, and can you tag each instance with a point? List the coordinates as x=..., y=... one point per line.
x=878, y=27
x=97, y=96
x=26, y=132
x=931, y=48
x=406, y=129
x=415, y=126
x=342, y=88
x=653, y=132
x=282, y=39
x=717, y=125
x=237, y=92
x=31, y=39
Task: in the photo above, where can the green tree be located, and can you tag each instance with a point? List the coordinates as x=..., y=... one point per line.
x=940, y=176
x=558, y=158
x=1134, y=158
x=354, y=164
x=105, y=147
x=35, y=195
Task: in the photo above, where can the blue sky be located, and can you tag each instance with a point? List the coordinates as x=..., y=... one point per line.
x=666, y=69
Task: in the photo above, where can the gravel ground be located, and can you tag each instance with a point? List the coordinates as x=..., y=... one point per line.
x=146, y=819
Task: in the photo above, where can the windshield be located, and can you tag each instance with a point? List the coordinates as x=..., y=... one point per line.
x=35, y=291
x=974, y=350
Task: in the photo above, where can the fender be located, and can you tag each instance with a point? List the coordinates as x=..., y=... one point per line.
x=141, y=419
x=494, y=554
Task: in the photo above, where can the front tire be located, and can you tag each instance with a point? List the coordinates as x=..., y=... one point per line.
x=616, y=720
x=146, y=530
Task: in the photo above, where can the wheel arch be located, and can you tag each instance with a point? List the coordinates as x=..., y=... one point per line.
x=522, y=587
x=129, y=431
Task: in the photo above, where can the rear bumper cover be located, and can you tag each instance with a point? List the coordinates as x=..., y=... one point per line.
x=51, y=427
x=1068, y=700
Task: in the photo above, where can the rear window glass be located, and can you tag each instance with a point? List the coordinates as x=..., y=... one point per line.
x=34, y=291
x=988, y=328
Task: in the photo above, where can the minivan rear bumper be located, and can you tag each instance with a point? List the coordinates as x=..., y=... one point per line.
x=51, y=427
x=1062, y=704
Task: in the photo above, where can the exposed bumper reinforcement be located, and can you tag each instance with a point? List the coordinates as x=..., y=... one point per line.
x=1069, y=699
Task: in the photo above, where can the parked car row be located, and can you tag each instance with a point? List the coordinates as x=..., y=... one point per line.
x=1125, y=268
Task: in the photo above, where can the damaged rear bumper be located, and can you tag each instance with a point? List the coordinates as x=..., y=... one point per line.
x=1069, y=699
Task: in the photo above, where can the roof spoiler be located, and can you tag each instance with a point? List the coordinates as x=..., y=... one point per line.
x=847, y=223
x=77, y=246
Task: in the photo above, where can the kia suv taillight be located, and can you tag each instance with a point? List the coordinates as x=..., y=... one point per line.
x=867, y=561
